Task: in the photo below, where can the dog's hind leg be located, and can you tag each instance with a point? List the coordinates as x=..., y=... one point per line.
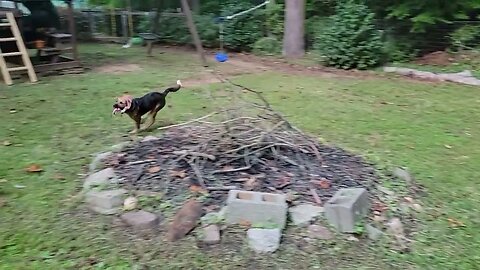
x=153, y=115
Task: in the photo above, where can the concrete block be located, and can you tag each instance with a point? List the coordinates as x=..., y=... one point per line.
x=140, y=220
x=346, y=207
x=100, y=178
x=256, y=208
x=106, y=202
x=264, y=240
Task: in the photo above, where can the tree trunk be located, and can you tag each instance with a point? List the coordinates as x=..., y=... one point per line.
x=293, y=38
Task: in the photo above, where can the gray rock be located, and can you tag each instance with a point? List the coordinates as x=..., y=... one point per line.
x=211, y=234
x=302, y=214
x=140, y=220
x=319, y=232
x=403, y=175
x=149, y=138
x=120, y=146
x=373, y=233
x=103, y=177
x=106, y=202
x=264, y=240
x=97, y=161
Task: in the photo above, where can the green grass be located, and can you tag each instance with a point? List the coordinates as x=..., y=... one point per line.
x=60, y=121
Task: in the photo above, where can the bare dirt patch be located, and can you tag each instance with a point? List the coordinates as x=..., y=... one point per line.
x=439, y=58
x=119, y=68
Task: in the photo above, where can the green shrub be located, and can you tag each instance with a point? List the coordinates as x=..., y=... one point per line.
x=350, y=40
x=174, y=30
x=465, y=37
x=240, y=33
x=267, y=46
x=274, y=20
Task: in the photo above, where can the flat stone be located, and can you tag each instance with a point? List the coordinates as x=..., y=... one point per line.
x=319, y=232
x=211, y=234
x=403, y=175
x=100, y=178
x=97, y=161
x=373, y=233
x=149, y=138
x=140, y=220
x=130, y=203
x=120, y=146
x=264, y=240
x=302, y=214
x=106, y=202
x=185, y=220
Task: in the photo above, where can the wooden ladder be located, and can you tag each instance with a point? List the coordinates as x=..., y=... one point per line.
x=17, y=37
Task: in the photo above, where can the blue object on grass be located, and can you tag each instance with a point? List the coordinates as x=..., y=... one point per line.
x=221, y=57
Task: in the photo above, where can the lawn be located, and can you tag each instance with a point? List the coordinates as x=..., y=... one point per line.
x=433, y=129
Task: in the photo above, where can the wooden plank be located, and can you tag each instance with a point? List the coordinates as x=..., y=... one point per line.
x=21, y=47
x=193, y=32
x=71, y=26
x=11, y=54
x=8, y=39
x=57, y=66
x=5, y=74
x=17, y=69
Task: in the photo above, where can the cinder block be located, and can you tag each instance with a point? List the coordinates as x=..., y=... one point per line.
x=346, y=207
x=256, y=208
x=106, y=202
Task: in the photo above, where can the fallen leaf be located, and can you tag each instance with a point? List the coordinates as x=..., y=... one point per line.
x=197, y=189
x=283, y=182
x=455, y=223
x=227, y=168
x=20, y=186
x=3, y=202
x=34, y=168
x=58, y=177
x=251, y=183
x=154, y=169
x=179, y=174
x=322, y=183
x=13, y=111
x=7, y=143
x=245, y=223
x=448, y=146
x=379, y=207
x=3, y=180
x=408, y=199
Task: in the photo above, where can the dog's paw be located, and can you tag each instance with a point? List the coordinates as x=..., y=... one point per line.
x=179, y=83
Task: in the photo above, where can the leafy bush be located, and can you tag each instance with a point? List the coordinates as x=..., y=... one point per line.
x=274, y=20
x=174, y=30
x=240, y=33
x=350, y=40
x=465, y=37
x=267, y=46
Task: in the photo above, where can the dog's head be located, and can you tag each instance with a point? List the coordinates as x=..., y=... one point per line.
x=122, y=104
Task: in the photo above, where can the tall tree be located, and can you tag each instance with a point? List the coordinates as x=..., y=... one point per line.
x=293, y=38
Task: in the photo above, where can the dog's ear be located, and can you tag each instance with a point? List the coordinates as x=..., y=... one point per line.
x=128, y=101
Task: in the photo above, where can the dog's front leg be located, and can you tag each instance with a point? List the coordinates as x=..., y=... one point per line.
x=137, y=119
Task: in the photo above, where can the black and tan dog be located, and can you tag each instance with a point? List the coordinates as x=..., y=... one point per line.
x=150, y=103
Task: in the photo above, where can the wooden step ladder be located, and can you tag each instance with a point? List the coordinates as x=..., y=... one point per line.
x=17, y=37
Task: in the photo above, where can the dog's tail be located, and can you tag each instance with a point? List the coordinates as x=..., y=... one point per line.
x=173, y=89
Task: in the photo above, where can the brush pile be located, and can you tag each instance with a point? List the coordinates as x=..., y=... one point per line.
x=248, y=146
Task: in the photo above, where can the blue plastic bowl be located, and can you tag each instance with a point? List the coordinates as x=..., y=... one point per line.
x=221, y=57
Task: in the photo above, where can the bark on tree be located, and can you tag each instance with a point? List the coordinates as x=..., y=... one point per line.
x=293, y=38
